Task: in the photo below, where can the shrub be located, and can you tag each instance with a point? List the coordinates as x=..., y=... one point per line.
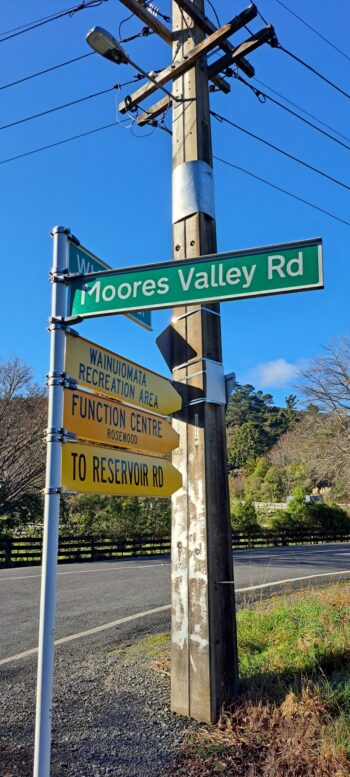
x=244, y=516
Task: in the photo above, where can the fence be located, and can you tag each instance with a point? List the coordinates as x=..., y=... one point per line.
x=27, y=551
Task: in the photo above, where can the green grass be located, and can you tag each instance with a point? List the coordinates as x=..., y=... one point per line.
x=292, y=715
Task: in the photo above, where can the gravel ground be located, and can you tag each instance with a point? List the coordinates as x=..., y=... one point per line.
x=111, y=714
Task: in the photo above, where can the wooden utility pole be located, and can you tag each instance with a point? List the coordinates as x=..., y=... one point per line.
x=204, y=669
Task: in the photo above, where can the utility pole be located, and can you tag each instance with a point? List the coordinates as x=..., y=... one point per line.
x=204, y=666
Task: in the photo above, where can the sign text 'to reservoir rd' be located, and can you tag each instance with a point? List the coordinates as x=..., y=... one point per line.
x=93, y=470
x=101, y=420
x=255, y=272
x=108, y=373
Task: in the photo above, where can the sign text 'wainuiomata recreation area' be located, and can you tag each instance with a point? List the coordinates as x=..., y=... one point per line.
x=105, y=372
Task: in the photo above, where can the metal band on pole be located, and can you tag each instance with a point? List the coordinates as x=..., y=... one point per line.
x=51, y=513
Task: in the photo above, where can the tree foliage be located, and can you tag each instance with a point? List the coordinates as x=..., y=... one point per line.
x=23, y=413
x=255, y=423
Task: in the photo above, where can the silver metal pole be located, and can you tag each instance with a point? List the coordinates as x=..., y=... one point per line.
x=51, y=513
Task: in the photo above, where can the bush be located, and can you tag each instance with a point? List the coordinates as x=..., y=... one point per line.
x=244, y=516
x=312, y=516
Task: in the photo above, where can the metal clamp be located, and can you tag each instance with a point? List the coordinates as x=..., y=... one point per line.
x=52, y=491
x=196, y=310
x=59, y=276
x=56, y=379
x=56, y=322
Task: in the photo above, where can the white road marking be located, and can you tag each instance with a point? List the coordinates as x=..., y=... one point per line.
x=163, y=608
x=89, y=632
x=291, y=580
x=89, y=571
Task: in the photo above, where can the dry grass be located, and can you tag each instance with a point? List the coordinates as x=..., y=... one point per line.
x=292, y=718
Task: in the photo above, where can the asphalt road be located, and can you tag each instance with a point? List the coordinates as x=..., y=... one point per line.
x=90, y=596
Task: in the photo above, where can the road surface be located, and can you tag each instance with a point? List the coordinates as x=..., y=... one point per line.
x=112, y=600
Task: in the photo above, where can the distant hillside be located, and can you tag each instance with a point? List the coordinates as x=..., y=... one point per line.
x=254, y=423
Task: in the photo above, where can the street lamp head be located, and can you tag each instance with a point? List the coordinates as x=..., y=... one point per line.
x=103, y=43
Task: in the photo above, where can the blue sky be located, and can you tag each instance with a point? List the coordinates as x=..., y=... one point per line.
x=113, y=189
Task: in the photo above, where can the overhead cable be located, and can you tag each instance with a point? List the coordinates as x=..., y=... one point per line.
x=313, y=70
x=259, y=93
x=47, y=70
x=284, y=191
x=323, y=37
x=60, y=142
x=47, y=19
x=68, y=105
x=303, y=110
x=224, y=161
x=278, y=149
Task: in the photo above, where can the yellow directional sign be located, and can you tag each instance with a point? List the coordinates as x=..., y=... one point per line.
x=95, y=418
x=91, y=469
x=108, y=373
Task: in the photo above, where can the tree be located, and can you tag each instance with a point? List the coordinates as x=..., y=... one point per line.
x=255, y=423
x=23, y=414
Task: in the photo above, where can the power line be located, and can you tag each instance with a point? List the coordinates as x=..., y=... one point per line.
x=47, y=19
x=284, y=191
x=224, y=161
x=60, y=142
x=47, y=70
x=326, y=40
x=278, y=149
x=312, y=115
x=259, y=93
x=59, y=107
x=313, y=70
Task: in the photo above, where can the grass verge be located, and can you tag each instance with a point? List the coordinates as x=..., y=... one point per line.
x=292, y=718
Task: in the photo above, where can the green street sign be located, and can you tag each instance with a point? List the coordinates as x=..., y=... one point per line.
x=80, y=260
x=255, y=272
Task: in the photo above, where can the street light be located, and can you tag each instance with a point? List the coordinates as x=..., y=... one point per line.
x=105, y=44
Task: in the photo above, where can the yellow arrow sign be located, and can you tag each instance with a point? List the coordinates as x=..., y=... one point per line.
x=91, y=469
x=95, y=418
x=108, y=373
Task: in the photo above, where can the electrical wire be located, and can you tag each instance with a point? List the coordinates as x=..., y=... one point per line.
x=316, y=32
x=165, y=129
x=284, y=191
x=307, y=113
x=57, y=143
x=313, y=70
x=220, y=118
x=259, y=93
x=57, y=108
x=73, y=102
x=47, y=70
x=47, y=19
x=215, y=13
x=262, y=17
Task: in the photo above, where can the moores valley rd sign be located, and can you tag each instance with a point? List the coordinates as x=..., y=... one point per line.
x=255, y=272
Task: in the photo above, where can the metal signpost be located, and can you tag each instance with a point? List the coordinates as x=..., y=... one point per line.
x=217, y=278
x=51, y=509
x=80, y=260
